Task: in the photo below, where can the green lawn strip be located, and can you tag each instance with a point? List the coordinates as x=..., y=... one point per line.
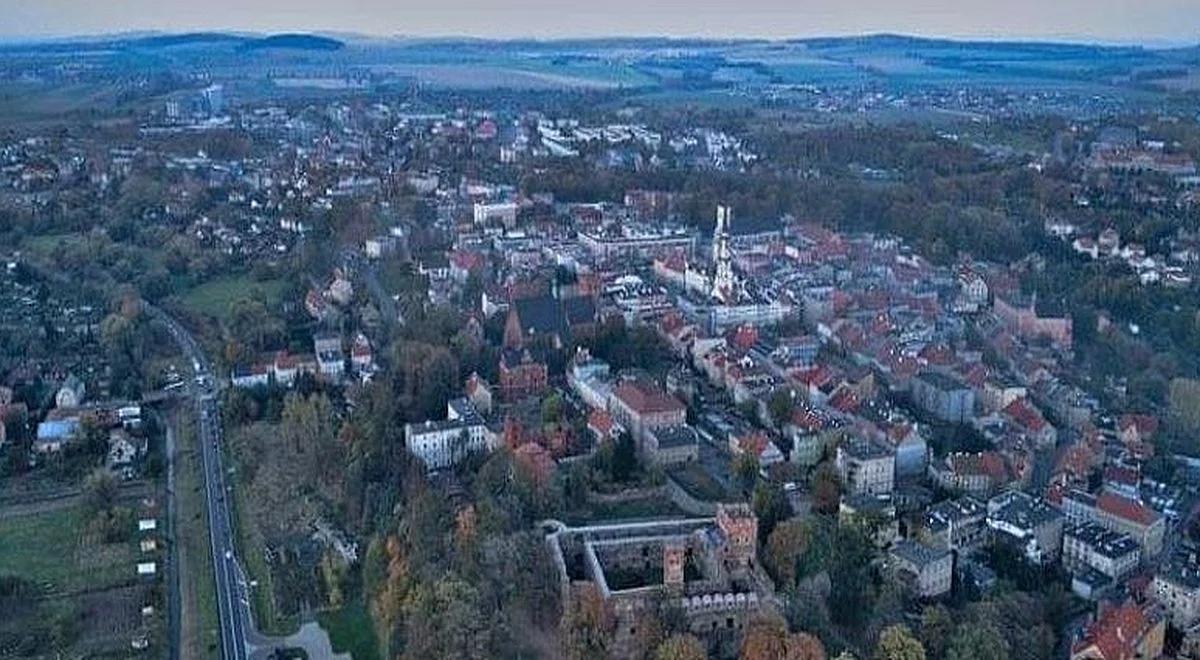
x=351, y=630
x=192, y=531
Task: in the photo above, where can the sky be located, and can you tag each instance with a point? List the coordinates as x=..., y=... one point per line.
x=1152, y=22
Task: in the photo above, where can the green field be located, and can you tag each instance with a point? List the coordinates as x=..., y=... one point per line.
x=55, y=550
x=45, y=244
x=199, y=629
x=351, y=631
x=214, y=298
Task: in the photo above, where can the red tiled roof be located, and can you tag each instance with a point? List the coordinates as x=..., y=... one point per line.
x=1125, y=508
x=601, y=422
x=1117, y=633
x=1146, y=425
x=645, y=399
x=1025, y=415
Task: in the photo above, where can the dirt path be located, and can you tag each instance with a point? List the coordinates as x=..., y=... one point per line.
x=40, y=506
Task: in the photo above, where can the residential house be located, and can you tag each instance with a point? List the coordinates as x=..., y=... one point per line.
x=443, y=444
x=1123, y=632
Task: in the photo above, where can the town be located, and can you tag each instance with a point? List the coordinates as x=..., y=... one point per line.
x=422, y=374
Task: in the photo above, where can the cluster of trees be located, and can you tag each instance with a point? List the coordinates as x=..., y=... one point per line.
x=474, y=581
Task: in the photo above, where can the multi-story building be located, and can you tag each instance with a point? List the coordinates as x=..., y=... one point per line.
x=671, y=445
x=1030, y=523
x=930, y=569
x=331, y=359
x=442, y=444
x=943, y=396
x=640, y=406
x=959, y=525
x=1092, y=546
x=978, y=474
x=1119, y=514
x=866, y=468
x=1176, y=587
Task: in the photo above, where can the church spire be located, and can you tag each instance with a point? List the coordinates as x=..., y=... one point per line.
x=513, y=337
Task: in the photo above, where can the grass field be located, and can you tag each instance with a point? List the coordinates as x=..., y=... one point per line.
x=44, y=244
x=54, y=549
x=200, y=635
x=351, y=631
x=214, y=298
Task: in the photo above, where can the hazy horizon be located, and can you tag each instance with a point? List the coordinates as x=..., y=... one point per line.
x=1152, y=23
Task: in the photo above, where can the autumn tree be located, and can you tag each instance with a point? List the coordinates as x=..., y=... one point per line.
x=446, y=619
x=767, y=638
x=897, y=643
x=681, y=647
x=587, y=625
x=826, y=489
x=785, y=546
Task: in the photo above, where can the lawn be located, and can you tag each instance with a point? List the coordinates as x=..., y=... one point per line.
x=644, y=508
x=698, y=483
x=45, y=244
x=351, y=631
x=54, y=549
x=214, y=298
x=200, y=633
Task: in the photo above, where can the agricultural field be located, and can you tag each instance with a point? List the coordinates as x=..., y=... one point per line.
x=66, y=588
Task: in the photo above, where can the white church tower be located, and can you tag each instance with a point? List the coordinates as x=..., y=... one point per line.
x=724, y=285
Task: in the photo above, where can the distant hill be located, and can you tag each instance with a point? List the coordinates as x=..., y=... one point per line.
x=293, y=42
x=189, y=40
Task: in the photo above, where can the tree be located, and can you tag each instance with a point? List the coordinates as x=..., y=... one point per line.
x=624, y=459
x=977, y=641
x=767, y=638
x=587, y=626
x=1185, y=403
x=552, y=409
x=309, y=428
x=681, y=647
x=781, y=405
x=745, y=468
x=446, y=620
x=100, y=491
x=897, y=643
x=771, y=506
x=937, y=626
x=785, y=545
x=826, y=489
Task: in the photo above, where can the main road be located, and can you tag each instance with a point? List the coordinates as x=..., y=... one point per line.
x=238, y=636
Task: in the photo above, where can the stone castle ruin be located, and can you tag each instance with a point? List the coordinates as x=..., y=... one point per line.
x=705, y=568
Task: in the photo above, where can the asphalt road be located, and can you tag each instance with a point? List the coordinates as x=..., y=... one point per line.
x=238, y=636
